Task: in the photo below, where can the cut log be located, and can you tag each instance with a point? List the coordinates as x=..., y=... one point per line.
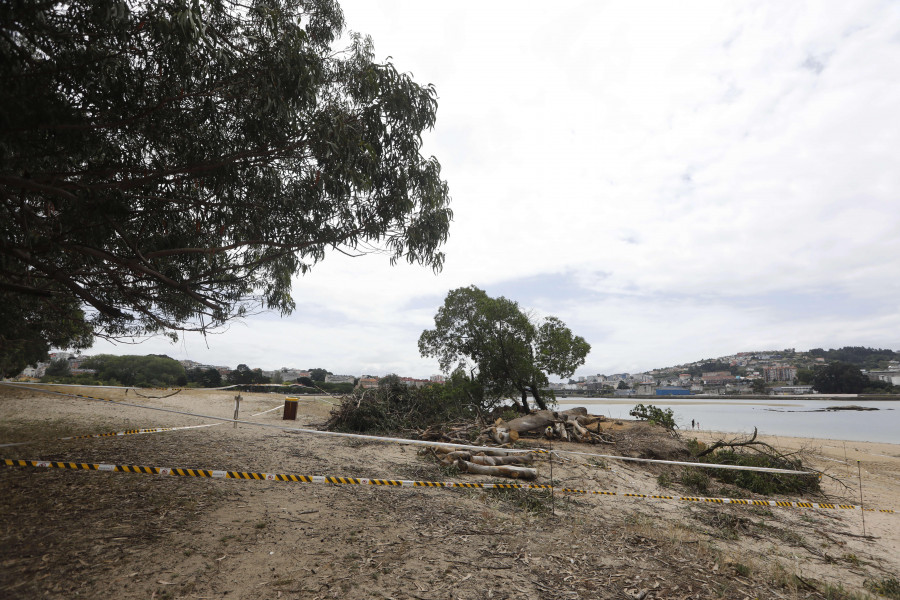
x=534, y=422
x=503, y=435
x=449, y=457
x=510, y=471
x=575, y=412
x=558, y=430
x=580, y=433
x=497, y=452
x=492, y=461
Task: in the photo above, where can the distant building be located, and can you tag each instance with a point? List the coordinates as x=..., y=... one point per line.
x=339, y=379
x=37, y=371
x=368, y=382
x=646, y=389
x=779, y=373
x=791, y=390
x=288, y=374
x=438, y=379
x=892, y=377
x=673, y=391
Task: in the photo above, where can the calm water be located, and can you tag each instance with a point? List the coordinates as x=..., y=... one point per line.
x=775, y=416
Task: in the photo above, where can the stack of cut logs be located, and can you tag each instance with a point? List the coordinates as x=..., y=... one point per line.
x=571, y=425
x=574, y=425
x=490, y=462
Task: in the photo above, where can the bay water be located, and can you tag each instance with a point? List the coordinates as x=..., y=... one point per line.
x=797, y=417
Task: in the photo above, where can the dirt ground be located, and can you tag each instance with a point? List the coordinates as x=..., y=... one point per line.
x=73, y=533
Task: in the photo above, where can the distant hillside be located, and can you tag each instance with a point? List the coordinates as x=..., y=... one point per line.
x=867, y=358
x=861, y=356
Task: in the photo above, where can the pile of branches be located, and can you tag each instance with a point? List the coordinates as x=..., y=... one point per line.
x=751, y=452
x=394, y=407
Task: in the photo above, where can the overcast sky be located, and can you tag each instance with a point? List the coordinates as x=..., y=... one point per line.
x=675, y=181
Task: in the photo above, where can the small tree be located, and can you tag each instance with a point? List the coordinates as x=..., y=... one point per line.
x=58, y=368
x=319, y=374
x=654, y=414
x=244, y=375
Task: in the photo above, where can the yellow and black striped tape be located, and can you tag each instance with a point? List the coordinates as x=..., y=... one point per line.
x=215, y=474
x=109, y=434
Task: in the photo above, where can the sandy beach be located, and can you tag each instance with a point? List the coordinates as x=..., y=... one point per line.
x=67, y=532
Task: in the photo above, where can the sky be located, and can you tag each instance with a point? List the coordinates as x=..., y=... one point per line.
x=675, y=181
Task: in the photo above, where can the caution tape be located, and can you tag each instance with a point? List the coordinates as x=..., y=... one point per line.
x=128, y=431
x=110, y=434
x=286, y=477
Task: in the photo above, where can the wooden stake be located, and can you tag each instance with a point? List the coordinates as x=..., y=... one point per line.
x=846, y=460
x=237, y=408
x=552, y=495
x=862, y=507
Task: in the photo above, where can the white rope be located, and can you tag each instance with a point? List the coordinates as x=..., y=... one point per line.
x=377, y=438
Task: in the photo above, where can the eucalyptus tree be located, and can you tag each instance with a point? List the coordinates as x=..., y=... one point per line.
x=170, y=165
x=509, y=352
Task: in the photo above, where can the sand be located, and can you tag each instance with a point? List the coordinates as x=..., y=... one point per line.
x=66, y=533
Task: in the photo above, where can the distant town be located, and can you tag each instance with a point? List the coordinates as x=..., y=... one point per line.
x=778, y=372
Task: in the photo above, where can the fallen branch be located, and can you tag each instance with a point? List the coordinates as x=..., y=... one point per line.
x=736, y=443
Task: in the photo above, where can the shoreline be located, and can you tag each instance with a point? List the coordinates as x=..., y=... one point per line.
x=806, y=439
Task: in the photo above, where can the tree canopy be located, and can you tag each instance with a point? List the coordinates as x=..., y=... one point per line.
x=169, y=166
x=29, y=327
x=208, y=378
x=508, y=352
x=143, y=371
x=318, y=374
x=840, y=378
x=245, y=375
x=870, y=358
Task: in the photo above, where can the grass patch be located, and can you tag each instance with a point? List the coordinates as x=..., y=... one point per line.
x=837, y=592
x=887, y=587
x=536, y=502
x=724, y=525
x=695, y=479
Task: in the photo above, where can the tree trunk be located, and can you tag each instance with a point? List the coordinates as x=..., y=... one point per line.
x=525, y=408
x=532, y=422
x=537, y=397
